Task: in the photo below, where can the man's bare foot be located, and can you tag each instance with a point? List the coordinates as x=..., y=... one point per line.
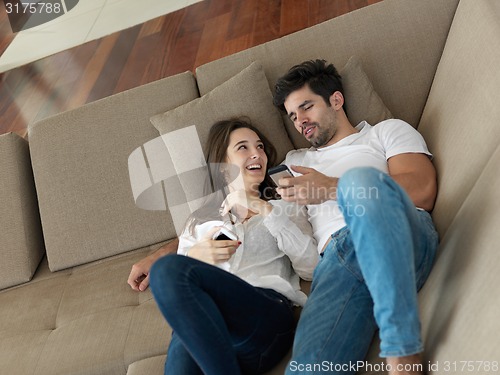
x=409, y=365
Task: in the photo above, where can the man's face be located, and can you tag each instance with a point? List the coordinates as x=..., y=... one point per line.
x=311, y=116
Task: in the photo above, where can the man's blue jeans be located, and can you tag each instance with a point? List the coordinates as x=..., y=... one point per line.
x=367, y=278
x=222, y=324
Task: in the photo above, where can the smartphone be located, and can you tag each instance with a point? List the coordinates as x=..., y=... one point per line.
x=225, y=234
x=278, y=172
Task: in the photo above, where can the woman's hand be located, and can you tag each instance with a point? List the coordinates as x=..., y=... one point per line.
x=240, y=203
x=213, y=251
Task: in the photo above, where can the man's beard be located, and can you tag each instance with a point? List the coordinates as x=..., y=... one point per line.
x=324, y=135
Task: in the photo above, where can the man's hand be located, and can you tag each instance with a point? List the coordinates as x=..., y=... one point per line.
x=139, y=275
x=312, y=187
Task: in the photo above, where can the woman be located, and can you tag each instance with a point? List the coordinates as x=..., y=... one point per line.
x=230, y=302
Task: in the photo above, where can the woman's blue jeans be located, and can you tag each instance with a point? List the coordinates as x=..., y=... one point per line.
x=221, y=324
x=367, y=278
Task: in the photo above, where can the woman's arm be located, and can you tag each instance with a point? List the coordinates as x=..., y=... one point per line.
x=289, y=224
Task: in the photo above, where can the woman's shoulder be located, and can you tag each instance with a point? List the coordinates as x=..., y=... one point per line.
x=281, y=207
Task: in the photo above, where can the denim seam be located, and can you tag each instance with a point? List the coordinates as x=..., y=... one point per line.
x=427, y=260
x=188, y=272
x=342, y=259
x=406, y=351
x=318, y=358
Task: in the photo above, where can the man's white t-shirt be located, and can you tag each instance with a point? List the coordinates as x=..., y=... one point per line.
x=371, y=147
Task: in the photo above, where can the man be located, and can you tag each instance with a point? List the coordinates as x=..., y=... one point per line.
x=138, y=278
x=368, y=190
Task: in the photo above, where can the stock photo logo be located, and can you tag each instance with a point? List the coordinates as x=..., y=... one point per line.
x=163, y=178
x=25, y=14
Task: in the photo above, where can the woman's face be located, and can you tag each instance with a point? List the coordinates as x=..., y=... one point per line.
x=246, y=151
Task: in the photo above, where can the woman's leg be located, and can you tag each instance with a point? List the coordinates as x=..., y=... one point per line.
x=179, y=361
x=227, y=325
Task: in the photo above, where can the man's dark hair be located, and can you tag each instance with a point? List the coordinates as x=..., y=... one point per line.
x=322, y=78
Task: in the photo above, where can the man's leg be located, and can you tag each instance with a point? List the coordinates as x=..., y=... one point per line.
x=395, y=246
x=336, y=326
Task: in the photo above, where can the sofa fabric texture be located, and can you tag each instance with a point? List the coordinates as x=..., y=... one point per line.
x=80, y=321
x=21, y=235
x=459, y=299
x=431, y=63
x=86, y=204
x=461, y=123
x=461, y=120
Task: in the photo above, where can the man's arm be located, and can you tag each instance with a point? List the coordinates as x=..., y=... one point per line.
x=139, y=275
x=416, y=174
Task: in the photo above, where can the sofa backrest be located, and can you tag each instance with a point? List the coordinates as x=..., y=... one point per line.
x=80, y=164
x=461, y=122
x=399, y=42
x=21, y=239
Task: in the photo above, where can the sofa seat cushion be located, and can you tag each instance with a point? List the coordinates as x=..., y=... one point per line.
x=150, y=366
x=81, y=173
x=21, y=240
x=83, y=320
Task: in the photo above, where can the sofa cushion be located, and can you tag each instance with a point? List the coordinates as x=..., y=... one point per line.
x=459, y=302
x=151, y=366
x=363, y=102
x=81, y=173
x=246, y=94
x=21, y=239
x=84, y=320
x=461, y=121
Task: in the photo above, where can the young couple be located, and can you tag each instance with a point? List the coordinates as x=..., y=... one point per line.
x=367, y=190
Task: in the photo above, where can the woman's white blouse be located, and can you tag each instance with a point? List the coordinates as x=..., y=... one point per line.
x=274, y=252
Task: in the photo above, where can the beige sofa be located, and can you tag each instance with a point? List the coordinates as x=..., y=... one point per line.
x=72, y=223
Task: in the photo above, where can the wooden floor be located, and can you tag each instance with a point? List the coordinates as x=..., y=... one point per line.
x=159, y=48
